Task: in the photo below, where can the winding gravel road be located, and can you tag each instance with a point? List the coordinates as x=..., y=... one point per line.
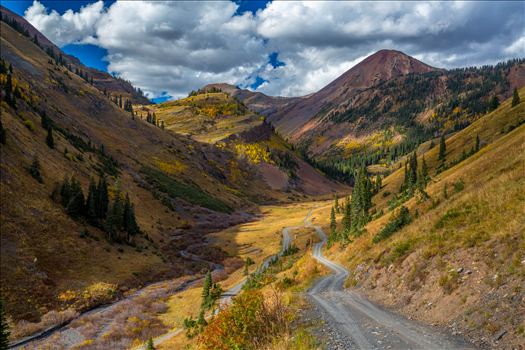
x=363, y=324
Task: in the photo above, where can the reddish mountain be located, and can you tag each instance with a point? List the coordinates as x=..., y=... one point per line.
x=381, y=66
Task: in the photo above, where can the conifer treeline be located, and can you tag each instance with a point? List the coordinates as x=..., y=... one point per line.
x=117, y=219
x=355, y=209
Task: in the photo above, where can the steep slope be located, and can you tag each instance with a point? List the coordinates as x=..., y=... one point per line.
x=102, y=80
x=384, y=107
x=460, y=261
x=55, y=256
x=213, y=116
x=377, y=68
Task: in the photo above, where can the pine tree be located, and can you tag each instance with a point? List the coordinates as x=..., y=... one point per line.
x=102, y=198
x=117, y=212
x=347, y=217
x=494, y=103
x=515, y=98
x=44, y=120
x=4, y=328
x=65, y=192
x=206, y=292
x=442, y=148
x=333, y=225
x=424, y=172
x=35, y=170
x=476, y=147
x=201, y=321
x=336, y=203
x=149, y=344
x=49, y=139
x=75, y=207
x=91, y=203
x=2, y=134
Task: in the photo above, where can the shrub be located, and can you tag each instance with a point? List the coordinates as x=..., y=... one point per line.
x=250, y=323
x=459, y=186
x=395, y=224
x=449, y=281
x=29, y=124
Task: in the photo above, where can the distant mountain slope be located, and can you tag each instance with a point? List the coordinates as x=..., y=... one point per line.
x=377, y=68
x=214, y=116
x=384, y=107
x=102, y=80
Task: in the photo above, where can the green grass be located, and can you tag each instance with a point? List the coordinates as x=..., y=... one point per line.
x=167, y=184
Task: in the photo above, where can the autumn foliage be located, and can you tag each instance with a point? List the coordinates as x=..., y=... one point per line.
x=250, y=323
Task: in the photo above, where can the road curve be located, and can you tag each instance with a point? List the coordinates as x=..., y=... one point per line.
x=367, y=325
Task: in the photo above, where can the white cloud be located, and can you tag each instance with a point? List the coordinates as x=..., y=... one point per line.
x=68, y=28
x=179, y=46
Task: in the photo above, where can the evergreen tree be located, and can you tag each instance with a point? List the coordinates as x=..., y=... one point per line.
x=117, y=212
x=75, y=207
x=201, y=321
x=35, y=170
x=424, y=172
x=65, y=191
x=515, y=98
x=91, y=203
x=206, y=292
x=333, y=225
x=49, y=139
x=149, y=344
x=336, y=203
x=476, y=147
x=442, y=148
x=445, y=192
x=494, y=103
x=2, y=134
x=347, y=217
x=102, y=198
x=10, y=99
x=44, y=120
x=4, y=328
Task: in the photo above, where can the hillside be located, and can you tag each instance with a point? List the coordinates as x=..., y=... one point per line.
x=215, y=117
x=385, y=106
x=459, y=261
x=60, y=248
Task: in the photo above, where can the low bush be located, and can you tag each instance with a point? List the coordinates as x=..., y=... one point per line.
x=250, y=323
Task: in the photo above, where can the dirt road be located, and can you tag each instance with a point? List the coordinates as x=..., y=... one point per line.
x=364, y=325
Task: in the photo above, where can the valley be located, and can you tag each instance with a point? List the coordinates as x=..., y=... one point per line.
x=384, y=211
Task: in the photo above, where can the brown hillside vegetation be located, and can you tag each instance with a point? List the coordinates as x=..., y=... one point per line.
x=460, y=262
x=180, y=189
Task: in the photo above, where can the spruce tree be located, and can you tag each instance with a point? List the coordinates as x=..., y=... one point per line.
x=4, y=328
x=336, y=203
x=102, y=198
x=424, y=172
x=333, y=225
x=476, y=147
x=91, y=203
x=442, y=148
x=347, y=217
x=494, y=103
x=75, y=207
x=35, y=170
x=65, y=191
x=49, y=139
x=206, y=292
x=201, y=321
x=44, y=120
x=515, y=98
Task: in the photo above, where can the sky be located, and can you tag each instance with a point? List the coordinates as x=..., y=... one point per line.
x=280, y=48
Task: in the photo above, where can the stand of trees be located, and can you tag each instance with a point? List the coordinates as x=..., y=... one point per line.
x=117, y=219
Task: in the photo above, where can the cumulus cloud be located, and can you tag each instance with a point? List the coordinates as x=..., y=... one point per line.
x=179, y=46
x=69, y=27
